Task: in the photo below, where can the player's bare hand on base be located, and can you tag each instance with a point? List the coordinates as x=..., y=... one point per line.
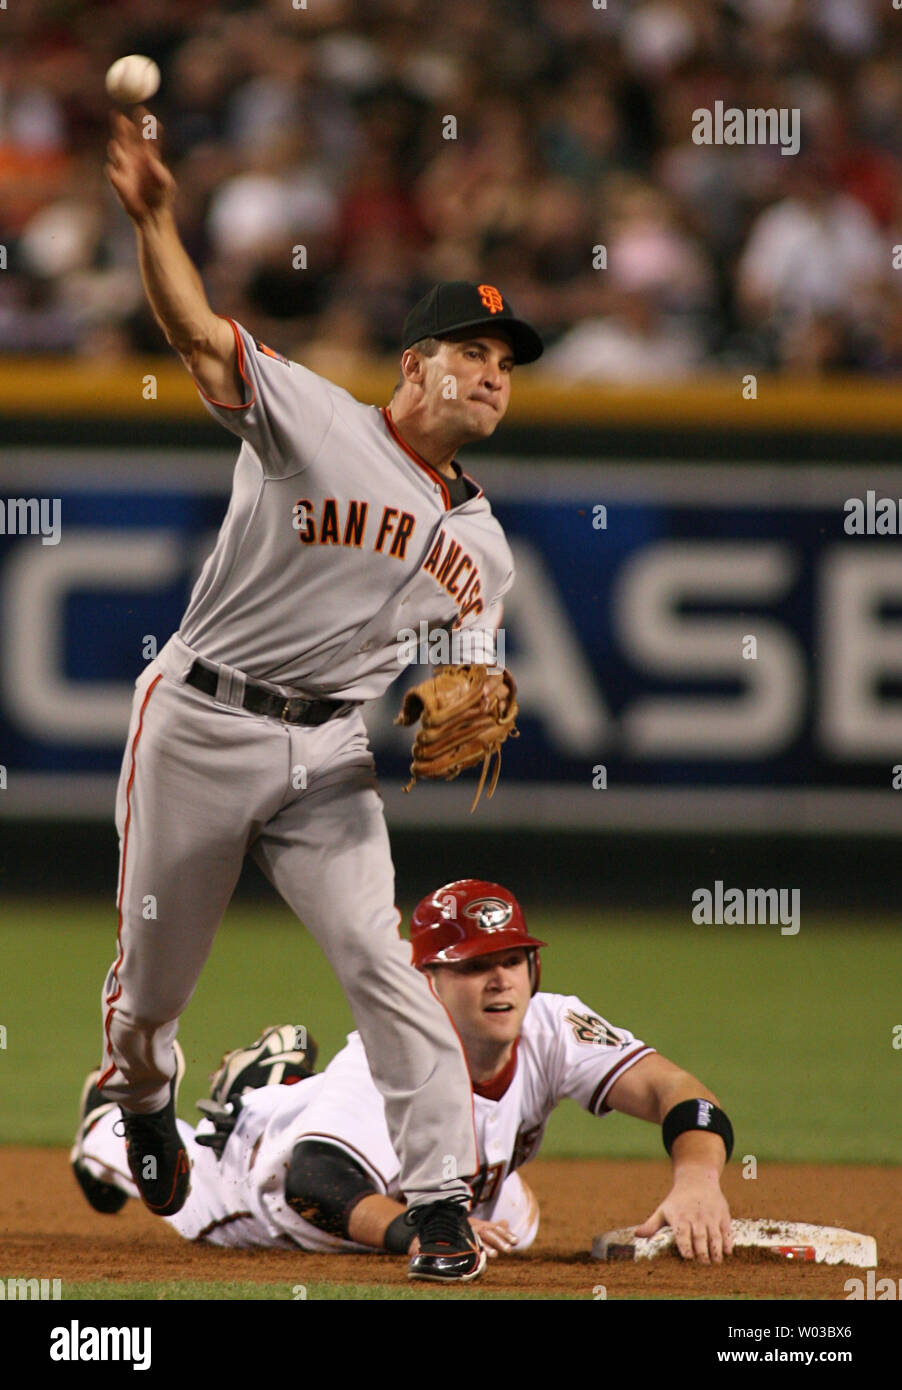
x=496, y=1236
x=142, y=182
x=698, y=1214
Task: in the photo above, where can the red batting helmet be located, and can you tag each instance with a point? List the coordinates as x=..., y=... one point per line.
x=468, y=918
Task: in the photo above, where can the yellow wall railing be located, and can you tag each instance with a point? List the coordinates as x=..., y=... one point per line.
x=43, y=387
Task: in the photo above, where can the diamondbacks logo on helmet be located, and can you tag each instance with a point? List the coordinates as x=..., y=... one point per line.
x=588, y=1028
x=489, y=914
x=491, y=298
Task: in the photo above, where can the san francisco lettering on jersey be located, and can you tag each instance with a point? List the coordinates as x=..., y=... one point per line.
x=332, y=522
x=346, y=524
x=449, y=567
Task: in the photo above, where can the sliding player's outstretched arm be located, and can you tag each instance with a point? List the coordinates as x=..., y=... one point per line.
x=699, y=1144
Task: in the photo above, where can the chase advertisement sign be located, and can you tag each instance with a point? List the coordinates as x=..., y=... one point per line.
x=710, y=646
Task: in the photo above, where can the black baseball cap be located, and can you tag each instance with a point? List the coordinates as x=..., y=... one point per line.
x=457, y=304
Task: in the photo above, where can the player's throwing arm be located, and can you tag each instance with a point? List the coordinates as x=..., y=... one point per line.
x=147, y=191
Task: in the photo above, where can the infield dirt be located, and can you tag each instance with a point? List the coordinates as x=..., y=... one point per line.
x=47, y=1230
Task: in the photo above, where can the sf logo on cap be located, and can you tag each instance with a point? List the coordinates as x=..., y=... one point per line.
x=489, y=914
x=491, y=298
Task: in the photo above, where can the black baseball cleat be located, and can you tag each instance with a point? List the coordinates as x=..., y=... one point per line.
x=281, y=1056
x=449, y=1250
x=157, y=1157
x=102, y=1196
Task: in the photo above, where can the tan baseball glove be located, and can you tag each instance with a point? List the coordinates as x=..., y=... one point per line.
x=465, y=714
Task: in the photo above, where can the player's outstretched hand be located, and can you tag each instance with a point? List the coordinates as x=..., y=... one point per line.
x=697, y=1212
x=224, y=1117
x=142, y=182
x=496, y=1236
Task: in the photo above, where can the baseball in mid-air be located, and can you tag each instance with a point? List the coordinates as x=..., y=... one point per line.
x=132, y=79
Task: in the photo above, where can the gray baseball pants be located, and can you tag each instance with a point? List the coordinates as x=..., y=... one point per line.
x=203, y=783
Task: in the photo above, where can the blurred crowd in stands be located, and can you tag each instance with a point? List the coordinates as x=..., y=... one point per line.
x=322, y=124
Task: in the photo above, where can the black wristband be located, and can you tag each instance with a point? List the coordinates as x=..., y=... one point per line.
x=399, y=1233
x=696, y=1114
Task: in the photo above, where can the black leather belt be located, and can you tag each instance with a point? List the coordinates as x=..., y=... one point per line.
x=258, y=700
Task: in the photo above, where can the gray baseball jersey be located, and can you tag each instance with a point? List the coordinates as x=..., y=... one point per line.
x=338, y=536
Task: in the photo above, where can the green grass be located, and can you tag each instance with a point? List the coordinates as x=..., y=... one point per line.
x=175, y=1290
x=199, y=1290
x=794, y=1034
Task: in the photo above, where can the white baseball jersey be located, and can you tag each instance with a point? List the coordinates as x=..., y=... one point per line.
x=338, y=537
x=565, y=1050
